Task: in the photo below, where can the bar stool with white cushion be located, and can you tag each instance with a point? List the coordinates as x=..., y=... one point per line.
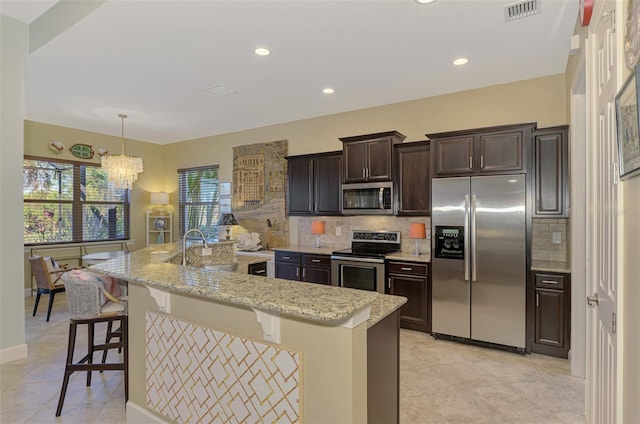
x=91, y=301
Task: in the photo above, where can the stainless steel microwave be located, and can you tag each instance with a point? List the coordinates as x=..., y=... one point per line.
x=367, y=199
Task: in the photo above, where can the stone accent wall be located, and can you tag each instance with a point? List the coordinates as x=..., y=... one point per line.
x=542, y=247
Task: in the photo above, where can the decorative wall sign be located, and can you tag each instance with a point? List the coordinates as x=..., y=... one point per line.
x=258, y=194
x=56, y=146
x=82, y=151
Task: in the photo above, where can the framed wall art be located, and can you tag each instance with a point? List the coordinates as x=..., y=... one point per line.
x=628, y=124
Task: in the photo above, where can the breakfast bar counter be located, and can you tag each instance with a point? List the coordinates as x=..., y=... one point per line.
x=249, y=348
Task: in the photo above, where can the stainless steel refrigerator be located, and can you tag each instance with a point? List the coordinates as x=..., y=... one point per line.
x=479, y=258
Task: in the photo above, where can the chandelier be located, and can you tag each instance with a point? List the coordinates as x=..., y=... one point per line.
x=122, y=170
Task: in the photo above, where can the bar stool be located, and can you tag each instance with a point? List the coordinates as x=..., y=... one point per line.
x=90, y=303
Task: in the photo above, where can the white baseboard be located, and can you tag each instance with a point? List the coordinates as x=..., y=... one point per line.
x=136, y=414
x=13, y=353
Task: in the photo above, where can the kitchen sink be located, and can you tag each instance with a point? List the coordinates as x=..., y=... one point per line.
x=231, y=267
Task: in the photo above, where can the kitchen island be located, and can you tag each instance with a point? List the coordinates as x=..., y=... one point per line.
x=216, y=346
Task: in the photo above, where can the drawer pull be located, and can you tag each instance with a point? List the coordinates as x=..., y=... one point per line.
x=406, y=268
x=315, y=260
x=260, y=271
x=286, y=257
x=549, y=282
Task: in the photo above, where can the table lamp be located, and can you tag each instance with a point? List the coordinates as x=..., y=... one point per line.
x=160, y=198
x=228, y=219
x=417, y=231
x=317, y=229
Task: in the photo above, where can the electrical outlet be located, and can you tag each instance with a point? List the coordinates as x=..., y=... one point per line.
x=338, y=231
x=428, y=234
x=556, y=237
x=207, y=251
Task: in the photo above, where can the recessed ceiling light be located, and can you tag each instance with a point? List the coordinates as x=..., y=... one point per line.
x=461, y=61
x=262, y=51
x=424, y=1
x=328, y=90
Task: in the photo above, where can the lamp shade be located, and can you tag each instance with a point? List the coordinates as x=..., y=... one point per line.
x=159, y=198
x=417, y=230
x=228, y=219
x=317, y=227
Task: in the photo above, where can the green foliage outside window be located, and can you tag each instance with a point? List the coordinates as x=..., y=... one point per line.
x=71, y=202
x=198, y=200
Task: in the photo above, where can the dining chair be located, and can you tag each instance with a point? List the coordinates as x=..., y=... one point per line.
x=47, y=280
x=90, y=302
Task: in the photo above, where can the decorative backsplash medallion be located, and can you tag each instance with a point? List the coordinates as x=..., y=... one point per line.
x=197, y=374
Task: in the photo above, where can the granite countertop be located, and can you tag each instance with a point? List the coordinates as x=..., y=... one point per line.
x=330, y=304
x=551, y=266
x=328, y=250
x=410, y=257
x=323, y=250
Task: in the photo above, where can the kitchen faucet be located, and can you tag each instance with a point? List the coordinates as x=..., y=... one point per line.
x=184, y=243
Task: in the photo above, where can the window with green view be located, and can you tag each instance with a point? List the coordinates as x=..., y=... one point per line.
x=67, y=201
x=198, y=200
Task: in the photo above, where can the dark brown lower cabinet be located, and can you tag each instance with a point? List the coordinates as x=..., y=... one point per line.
x=383, y=370
x=305, y=267
x=552, y=329
x=411, y=280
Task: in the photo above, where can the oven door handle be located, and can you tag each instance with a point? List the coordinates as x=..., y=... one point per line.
x=356, y=260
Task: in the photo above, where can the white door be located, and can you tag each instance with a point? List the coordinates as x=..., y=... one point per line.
x=602, y=228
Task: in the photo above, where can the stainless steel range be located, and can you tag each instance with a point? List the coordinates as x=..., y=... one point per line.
x=362, y=266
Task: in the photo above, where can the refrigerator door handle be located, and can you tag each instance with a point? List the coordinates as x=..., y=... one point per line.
x=473, y=238
x=466, y=237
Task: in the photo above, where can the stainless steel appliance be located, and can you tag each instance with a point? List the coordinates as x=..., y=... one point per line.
x=362, y=266
x=367, y=199
x=479, y=258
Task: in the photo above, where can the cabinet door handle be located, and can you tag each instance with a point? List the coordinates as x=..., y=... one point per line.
x=481, y=161
x=286, y=257
x=304, y=273
x=406, y=268
x=315, y=260
x=368, y=173
x=549, y=282
x=389, y=283
x=537, y=300
x=471, y=162
x=364, y=173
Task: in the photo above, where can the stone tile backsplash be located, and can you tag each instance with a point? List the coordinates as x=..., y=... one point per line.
x=348, y=223
x=542, y=246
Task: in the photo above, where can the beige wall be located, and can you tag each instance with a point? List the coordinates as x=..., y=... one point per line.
x=14, y=39
x=539, y=100
x=36, y=143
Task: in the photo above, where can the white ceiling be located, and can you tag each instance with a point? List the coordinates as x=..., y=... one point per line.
x=154, y=60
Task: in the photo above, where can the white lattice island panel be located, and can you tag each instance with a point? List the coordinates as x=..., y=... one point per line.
x=197, y=374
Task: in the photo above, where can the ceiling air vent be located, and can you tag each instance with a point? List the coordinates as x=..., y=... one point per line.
x=521, y=9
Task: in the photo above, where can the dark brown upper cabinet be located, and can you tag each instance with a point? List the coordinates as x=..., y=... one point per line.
x=492, y=150
x=369, y=157
x=314, y=183
x=413, y=178
x=551, y=160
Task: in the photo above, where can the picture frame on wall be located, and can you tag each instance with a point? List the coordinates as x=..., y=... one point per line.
x=628, y=125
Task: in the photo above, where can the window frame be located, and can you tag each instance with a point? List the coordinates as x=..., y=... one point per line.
x=77, y=205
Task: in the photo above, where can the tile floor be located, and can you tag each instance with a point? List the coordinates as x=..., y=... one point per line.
x=441, y=382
